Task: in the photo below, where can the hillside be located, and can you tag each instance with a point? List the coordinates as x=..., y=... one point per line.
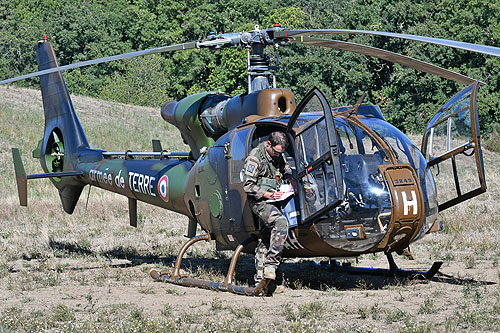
x=89, y=271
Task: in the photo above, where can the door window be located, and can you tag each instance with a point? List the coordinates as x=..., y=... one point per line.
x=452, y=149
x=317, y=156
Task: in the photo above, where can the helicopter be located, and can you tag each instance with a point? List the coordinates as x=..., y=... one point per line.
x=363, y=185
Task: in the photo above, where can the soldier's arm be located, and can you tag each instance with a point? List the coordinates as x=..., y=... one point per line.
x=251, y=172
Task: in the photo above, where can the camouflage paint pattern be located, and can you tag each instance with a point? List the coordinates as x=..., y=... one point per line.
x=208, y=187
x=184, y=115
x=260, y=258
x=262, y=174
x=139, y=179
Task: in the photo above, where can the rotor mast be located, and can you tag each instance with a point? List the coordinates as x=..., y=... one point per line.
x=258, y=64
x=258, y=69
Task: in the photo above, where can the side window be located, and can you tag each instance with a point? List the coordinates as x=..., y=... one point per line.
x=348, y=144
x=312, y=143
x=238, y=154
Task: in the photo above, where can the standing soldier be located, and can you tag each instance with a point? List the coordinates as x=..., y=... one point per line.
x=264, y=171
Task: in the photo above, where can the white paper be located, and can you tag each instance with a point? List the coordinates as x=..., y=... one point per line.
x=287, y=191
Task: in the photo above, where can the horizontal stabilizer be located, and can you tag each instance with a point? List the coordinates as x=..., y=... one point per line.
x=22, y=178
x=55, y=174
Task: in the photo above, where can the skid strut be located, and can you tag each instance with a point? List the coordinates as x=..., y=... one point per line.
x=393, y=269
x=227, y=285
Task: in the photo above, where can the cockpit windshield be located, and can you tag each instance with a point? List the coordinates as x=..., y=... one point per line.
x=366, y=205
x=408, y=152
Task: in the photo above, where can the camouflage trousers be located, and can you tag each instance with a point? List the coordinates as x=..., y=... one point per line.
x=277, y=222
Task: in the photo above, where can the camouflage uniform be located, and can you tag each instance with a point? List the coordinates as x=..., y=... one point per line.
x=264, y=174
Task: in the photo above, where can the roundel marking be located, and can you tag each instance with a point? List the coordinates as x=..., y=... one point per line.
x=163, y=188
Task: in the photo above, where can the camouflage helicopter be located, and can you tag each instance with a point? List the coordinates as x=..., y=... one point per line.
x=363, y=185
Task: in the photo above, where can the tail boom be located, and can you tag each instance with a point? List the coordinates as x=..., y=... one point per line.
x=157, y=182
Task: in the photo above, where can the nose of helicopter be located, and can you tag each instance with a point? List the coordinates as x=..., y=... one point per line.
x=386, y=205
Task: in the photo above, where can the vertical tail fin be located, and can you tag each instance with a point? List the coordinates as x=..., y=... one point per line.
x=21, y=179
x=63, y=135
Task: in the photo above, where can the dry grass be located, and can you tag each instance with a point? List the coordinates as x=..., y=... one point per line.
x=89, y=271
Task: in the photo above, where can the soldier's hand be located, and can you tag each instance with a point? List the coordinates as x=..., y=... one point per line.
x=276, y=195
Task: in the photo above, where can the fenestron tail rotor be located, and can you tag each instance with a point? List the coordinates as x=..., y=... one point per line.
x=54, y=157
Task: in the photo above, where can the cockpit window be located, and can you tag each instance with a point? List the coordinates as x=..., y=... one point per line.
x=313, y=141
x=404, y=149
x=366, y=203
x=348, y=143
x=407, y=152
x=353, y=140
x=316, y=176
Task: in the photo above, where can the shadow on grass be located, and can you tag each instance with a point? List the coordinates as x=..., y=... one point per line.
x=65, y=249
x=307, y=275
x=301, y=275
x=70, y=248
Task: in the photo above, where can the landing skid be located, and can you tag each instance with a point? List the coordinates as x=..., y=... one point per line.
x=265, y=287
x=260, y=289
x=393, y=269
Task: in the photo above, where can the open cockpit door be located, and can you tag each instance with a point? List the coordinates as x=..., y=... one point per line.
x=317, y=157
x=451, y=146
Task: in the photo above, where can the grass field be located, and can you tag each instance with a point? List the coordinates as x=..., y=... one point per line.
x=90, y=271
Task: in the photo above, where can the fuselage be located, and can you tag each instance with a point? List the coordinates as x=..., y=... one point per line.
x=210, y=189
x=326, y=224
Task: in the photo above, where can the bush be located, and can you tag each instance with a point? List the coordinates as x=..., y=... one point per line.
x=493, y=140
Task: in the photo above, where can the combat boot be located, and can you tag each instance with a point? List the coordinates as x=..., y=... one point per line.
x=270, y=273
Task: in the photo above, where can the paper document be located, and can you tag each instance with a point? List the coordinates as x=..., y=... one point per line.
x=287, y=190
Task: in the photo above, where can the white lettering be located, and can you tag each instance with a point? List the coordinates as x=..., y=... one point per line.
x=130, y=174
x=151, y=192
x=407, y=203
x=100, y=177
x=140, y=183
x=134, y=182
x=119, y=181
x=146, y=185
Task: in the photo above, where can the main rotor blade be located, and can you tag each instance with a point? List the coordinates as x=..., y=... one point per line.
x=389, y=56
x=485, y=49
x=168, y=48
